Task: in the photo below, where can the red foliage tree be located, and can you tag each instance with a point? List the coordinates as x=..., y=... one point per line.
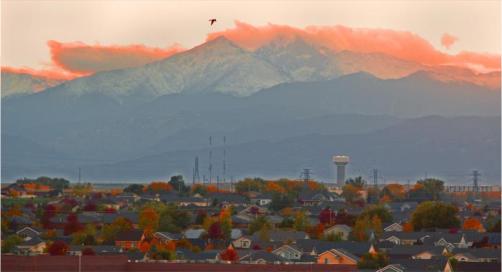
x=230, y=255
x=49, y=212
x=72, y=224
x=90, y=207
x=88, y=251
x=215, y=231
x=58, y=248
x=327, y=216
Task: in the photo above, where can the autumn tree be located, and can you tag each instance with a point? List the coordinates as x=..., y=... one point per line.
x=58, y=248
x=378, y=210
x=351, y=193
x=158, y=187
x=407, y=227
x=229, y=255
x=110, y=231
x=88, y=251
x=215, y=231
x=394, y=191
x=72, y=224
x=149, y=220
x=472, y=224
x=432, y=214
x=327, y=216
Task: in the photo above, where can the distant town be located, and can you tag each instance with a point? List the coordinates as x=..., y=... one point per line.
x=52, y=224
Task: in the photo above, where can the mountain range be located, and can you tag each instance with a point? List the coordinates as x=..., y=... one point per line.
x=286, y=106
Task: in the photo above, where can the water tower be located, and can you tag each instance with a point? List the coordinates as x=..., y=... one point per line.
x=340, y=162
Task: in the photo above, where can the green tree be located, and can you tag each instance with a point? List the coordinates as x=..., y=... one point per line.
x=10, y=243
x=357, y=182
x=87, y=236
x=301, y=221
x=259, y=223
x=178, y=184
x=280, y=201
x=432, y=214
x=378, y=210
x=373, y=261
x=351, y=193
x=134, y=188
x=250, y=184
x=432, y=187
x=173, y=220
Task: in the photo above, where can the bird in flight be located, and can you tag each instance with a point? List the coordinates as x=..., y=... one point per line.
x=212, y=21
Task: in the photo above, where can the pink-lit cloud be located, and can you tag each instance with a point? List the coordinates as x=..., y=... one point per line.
x=448, y=40
x=401, y=44
x=82, y=58
x=52, y=73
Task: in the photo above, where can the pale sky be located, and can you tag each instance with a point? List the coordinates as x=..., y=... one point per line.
x=28, y=25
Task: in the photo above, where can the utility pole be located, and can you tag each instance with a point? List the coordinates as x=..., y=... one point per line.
x=210, y=159
x=79, y=175
x=306, y=175
x=224, y=158
x=375, y=178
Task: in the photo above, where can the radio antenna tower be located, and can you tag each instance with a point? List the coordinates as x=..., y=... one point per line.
x=224, y=158
x=196, y=177
x=375, y=178
x=210, y=159
x=79, y=175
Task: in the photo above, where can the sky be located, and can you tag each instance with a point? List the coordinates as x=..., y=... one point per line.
x=83, y=37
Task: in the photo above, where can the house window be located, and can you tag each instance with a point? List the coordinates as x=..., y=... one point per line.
x=326, y=261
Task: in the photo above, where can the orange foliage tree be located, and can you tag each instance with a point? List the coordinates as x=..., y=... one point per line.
x=407, y=227
x=472, y=224
x=159, y=186
x=274, y=187
x=394, y=191
x=149, y=220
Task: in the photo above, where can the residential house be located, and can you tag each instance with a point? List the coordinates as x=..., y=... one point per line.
x=289, y=252
x=339, y=229
x=129, y=239
x=261, y=257
x=165, y=237
x=30, y=245
x=409, y=265
x=476, y=254
x=337, y=256
x=242, y=242
x=393, y=227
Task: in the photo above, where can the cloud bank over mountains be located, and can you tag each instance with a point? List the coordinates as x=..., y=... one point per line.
x=76, y=59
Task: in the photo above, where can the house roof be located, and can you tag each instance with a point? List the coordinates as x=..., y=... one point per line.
x=268, y=257
x=31, y=242
x=130, y=235
x=193, y=233
x=479, y=252
x=282, y=235
x=477, y=266
x=419, y=265
x=414, y=250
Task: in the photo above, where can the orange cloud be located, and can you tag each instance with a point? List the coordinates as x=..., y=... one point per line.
x=401, y=44
x=53, y=74
x=85, y=59
x=448, y=40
